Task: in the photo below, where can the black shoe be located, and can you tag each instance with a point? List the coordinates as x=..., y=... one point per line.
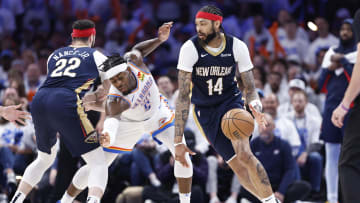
x=92, y=137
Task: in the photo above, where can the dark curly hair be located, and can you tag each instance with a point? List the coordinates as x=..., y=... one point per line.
x=112, y=61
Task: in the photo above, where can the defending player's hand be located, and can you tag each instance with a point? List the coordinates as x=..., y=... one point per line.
x=338, y=116
x=259, y=117
x=12, y=114
x=164, y=31
x=180, y=151
x=105, y=140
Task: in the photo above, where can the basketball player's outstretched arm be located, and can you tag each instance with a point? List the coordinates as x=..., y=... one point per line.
x=251, y=94
x=146, y=47
x=181, y=116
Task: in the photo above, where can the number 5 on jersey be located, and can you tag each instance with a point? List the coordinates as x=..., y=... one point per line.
x=71, y=64
x=217, y=88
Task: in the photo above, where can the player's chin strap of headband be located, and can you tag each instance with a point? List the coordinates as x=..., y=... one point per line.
x=209, y=16
x=83, y=33
x=115, y=70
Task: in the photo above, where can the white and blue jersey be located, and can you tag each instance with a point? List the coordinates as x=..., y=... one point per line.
x=149, y=113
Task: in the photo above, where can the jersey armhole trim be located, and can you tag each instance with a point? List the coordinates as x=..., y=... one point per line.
x=138, y=68
x=121, y=97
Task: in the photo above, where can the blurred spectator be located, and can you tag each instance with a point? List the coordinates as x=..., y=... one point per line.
x=32, y=80
x=167, y=89
x=165, y=168
x=142, y=168
x=258, y=39
x=294, y=46
x=294, y=70
x=335, y=75
x=274, y=86
x=168, y=10
x=298, y=85
x=308, y=127
x=277, y=80
x=17, y=147
x=7, y=21
x=275, y=155
x=284, y=128
x=324, y=40
x=222, y=184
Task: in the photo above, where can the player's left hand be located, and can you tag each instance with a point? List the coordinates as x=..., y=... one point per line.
x=338, y=116
x=180, y=151
x=259, y=117
x=105, y=140
x=164, y=31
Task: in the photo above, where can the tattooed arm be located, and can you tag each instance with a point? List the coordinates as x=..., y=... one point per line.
x=182, y=104
x=252, y=97
x=146, y=47
x=251, y=94
x=181, y=116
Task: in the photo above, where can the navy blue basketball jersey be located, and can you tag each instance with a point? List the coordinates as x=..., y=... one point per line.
x=213, y=75
x=71, y=68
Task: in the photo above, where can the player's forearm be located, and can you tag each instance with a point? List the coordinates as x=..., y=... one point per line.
x=249, y=88
x=146, y=47
x=98, y=106
x=353, y=89
x=182, y=104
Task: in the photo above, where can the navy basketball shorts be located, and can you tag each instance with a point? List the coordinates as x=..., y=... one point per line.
x=208, y=119
x=59, y=110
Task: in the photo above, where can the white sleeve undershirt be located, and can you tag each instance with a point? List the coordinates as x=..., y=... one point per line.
x=241, y=55
x=188, y=56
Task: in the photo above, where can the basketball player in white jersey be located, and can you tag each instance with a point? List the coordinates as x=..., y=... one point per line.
x=135, y=107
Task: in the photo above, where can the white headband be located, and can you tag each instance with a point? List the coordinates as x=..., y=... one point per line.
x=115, y=70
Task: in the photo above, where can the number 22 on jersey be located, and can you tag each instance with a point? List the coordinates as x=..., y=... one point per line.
x=69, y=64
x=217, y=88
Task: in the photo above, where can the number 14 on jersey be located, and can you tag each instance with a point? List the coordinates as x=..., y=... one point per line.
x=217, y=88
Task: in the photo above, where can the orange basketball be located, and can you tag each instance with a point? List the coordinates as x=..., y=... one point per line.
x=237, y=123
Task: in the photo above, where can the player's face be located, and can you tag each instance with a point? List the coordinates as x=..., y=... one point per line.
x=205, y=29
x=121, y=82
x=346, y=32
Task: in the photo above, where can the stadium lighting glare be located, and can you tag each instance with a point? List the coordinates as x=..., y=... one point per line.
x=312, y=26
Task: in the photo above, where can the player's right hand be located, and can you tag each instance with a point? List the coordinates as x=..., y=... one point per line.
x=180, y=151
x=105, y=139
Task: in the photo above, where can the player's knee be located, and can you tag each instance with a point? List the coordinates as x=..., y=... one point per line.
x=45, y=160
x=181, y=171
x=98, y=176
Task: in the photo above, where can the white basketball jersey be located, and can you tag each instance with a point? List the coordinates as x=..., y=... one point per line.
x=144, y=100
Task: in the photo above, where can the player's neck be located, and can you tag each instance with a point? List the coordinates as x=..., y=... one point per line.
x=217, y=41
x=79, y=44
